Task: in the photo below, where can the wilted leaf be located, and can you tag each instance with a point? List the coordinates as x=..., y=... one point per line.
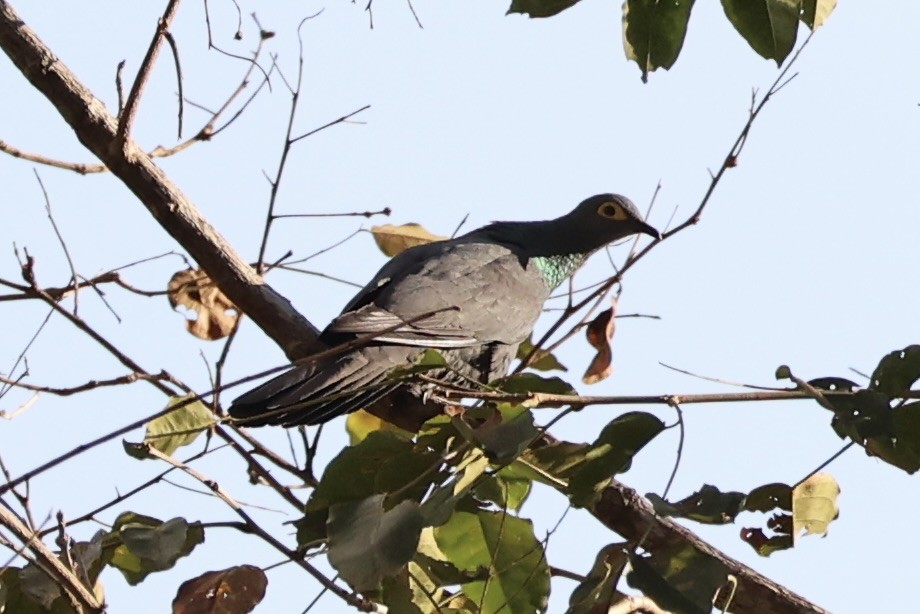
x=769, y=26
x=814, y=505
x=599, y=333
x=709, y=505
x=653, y=32
x=148, y=545
x=368, y=543
x=506, y=546
x=393, y=239
x=216, y=315
x=763, y=545
x=540, y=8
x=816, y=12
x=179, y=427
x=235, y=590
x=769, y=497
x=611, y=453
x=541, y=360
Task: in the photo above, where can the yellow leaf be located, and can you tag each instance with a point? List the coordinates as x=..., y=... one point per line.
x=814, y=505
x=392, y=239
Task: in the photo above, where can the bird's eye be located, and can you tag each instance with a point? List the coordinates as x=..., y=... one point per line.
x=612, y=210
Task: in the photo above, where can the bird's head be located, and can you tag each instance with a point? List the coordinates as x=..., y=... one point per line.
x=605, y=218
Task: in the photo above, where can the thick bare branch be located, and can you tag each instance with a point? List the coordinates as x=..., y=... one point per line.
x=96, y=129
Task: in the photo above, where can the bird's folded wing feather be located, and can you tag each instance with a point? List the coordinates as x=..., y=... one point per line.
x=448, y=294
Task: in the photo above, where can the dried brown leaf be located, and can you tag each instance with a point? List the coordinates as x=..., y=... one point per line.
x=392, y=239
x=599, y=333
x=216, y=315
x=236, y=590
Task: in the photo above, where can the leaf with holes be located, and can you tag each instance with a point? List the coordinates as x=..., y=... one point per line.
x=216, y=315
x=897, y=372
x=814, y=505
x=236, y=590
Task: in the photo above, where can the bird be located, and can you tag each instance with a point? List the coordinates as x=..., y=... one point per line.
x=473, y=298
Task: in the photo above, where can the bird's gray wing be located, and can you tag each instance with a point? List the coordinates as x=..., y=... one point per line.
x=472, y=292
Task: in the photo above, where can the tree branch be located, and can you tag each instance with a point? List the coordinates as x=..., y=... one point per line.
x=96, y=129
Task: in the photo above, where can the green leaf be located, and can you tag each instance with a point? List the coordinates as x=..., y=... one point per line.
x=235, y=590
x=383, y=462
x=519, y=579
x=897, y=372
x=902, y=447
x=178, y=428
x=769, y=26
x=368, y=543
x=610, y=454
x=681, y=579
x=507, y=489
x=148, y=545
x=27, y=592
x=506, y=440
x=816, y=12
x=525, y=383
x=359, y=424
x=596, y=592
x=557, y=460
x=654, y=31
x=542, y=360
x=764, y=545
x=540, y=8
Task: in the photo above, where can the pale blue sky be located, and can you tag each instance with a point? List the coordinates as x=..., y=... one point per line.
x=806, y=255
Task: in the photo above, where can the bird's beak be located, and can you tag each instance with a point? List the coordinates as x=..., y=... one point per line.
x=649, y=230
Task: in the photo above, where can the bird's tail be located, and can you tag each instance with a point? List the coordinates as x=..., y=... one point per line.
x=313, y=394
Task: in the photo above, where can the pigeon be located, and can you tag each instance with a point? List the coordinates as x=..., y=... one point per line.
x=473, y=299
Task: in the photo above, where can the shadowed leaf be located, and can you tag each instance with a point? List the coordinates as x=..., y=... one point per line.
x=769, y=26
x=611, y=453
x=897, y=372
x=597, y=590
x=148, y=545
x=654, y=32
x=542, y=360
x=540, y=8
x=368, y=543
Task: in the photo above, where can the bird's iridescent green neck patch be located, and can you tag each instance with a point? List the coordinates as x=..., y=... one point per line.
x=556, y=269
